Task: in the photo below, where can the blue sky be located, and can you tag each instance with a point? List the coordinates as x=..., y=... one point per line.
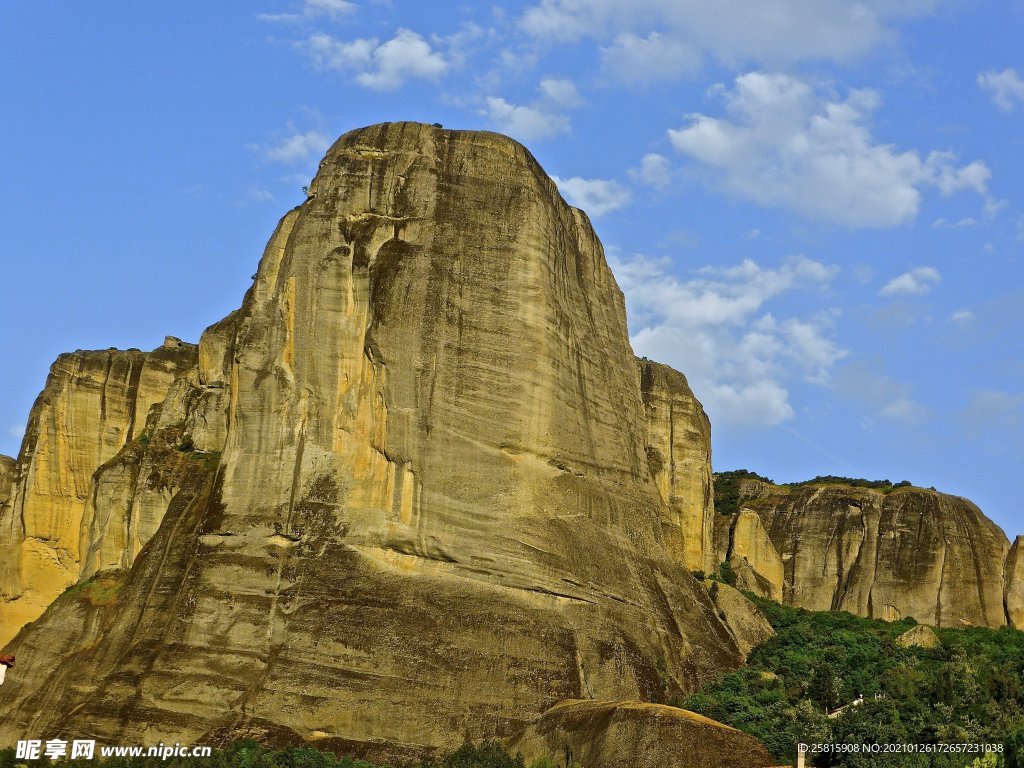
x=815, y=207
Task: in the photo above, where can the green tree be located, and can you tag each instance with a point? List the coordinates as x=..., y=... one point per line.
x=824, y=686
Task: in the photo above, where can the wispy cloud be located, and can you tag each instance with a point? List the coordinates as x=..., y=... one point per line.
x=543, y=118
x=595, y=196
x=1006, y=88
x=783, y=144
x=376, y=65
x=634, y=59
x=525, y=122
x=916, y=282
x=866, y=382
x=294, y=148
x=716, y=326
x=771, y=32
x=654, y=170
x=312, y=9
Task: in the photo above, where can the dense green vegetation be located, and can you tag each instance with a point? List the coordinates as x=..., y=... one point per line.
x=969, y=689
x=727, y=489
x=249, y=754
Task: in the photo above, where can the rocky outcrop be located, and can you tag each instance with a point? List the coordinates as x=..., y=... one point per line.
x=679, y=459
x=921, y=636
x=404, y=496
x=621, y=733
x=1013, y=578
x=748, y=626
x=94, y=403
x=886, y=554
x=745, y=545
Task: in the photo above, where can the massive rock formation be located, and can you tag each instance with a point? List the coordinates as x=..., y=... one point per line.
x=881, y=553
x=417, y=489
x=94, y=403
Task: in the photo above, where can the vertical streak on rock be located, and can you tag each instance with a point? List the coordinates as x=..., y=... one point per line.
x=1013, y=579
x=82, y=419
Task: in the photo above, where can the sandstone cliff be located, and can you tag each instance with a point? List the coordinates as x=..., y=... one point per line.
x=94, y=403
x=885, y=554
x=679, y=460
x=1013, y=577
x=7, y=465
x=416, y=489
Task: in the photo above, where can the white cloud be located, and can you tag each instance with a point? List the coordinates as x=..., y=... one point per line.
x=327, y=53
x=715, y=328
x=962, y=316
x=916, y=282
x=543, y=118
x=299, y=147
x=560, y=92
x=773, y=32
x=526, y=123
x=312, y=9
x=595, y=196
x=865, y=382
x=634, y=59
x=17, y=431
x=379, y=66
x=1006, y=88
x=784, y=145
x=257, y=195
x=654, y=170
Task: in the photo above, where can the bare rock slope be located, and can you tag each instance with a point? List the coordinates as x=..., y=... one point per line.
x=882, y=553
x=94, y=404
x=416, y=489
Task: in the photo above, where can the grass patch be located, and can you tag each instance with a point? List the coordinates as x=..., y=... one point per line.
x=100, y=590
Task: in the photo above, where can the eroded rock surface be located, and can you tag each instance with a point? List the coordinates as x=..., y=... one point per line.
x=1014, y=584
x=404, y=496
x=640, y=735
x=679, y=459
x=921, y=636
x=94, y=403
x=745, y=621
x=907, y=552
x=7, y=465
x=752, y=555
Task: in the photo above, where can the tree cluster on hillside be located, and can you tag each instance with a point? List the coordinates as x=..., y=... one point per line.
x=968, y=689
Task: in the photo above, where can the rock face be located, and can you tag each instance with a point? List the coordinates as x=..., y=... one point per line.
x=907, y=552
x=921, y=636
x=615, y=734
x=679, y=460
x=753, y=557
x=745, y=621
x=7, y=465
x=1013, y=577
x=408, y=494
x=94, y=403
